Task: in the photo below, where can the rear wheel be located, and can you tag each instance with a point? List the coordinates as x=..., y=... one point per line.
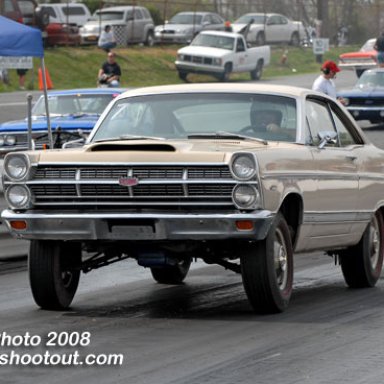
x=172, y=274
x=362, y=264
x=257, y=72
x=267, y=269
x=54, y=272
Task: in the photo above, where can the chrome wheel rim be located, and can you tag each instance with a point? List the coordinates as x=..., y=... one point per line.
x=280, y=260
x=374, y=243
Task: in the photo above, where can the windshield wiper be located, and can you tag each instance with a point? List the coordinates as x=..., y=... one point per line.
x=227, y=135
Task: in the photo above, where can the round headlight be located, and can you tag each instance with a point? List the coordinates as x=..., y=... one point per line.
x=243, y=167
x=246, y=196
x=18, y=196
x=10, y=140
x=16, y=166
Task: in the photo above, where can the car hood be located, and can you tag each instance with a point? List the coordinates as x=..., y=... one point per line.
x=160, y=151
x=85, y=122
x=203, y=51
x=175, y=27
x=362, y=92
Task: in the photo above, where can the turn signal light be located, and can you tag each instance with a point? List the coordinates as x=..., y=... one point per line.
x=244, y=225
x=19, y=225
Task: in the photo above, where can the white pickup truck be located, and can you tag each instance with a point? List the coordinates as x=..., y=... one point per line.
x=220, y=54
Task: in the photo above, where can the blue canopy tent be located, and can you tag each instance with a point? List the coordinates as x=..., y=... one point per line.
x=20, y=40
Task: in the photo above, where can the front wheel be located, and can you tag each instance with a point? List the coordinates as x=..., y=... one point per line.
x=227, y=70
x=172, y=274
x=150, y=39
x=54, y=272
x=362, y=264
x=183, y=75
x=267, y=269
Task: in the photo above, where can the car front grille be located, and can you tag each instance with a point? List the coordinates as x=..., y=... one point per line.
x=366, y=101
x=198, y=59
x=134, y=186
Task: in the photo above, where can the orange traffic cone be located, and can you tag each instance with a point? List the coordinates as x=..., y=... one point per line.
x=48, y=79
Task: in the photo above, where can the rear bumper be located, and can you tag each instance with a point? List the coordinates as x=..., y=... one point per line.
x=106, y=226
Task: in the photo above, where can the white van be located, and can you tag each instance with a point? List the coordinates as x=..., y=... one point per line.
x=67, y=13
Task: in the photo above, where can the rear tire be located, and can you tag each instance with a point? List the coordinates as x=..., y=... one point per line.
x=54, y=272
x=267, y=269
x=362, y=264
x=257, y=72
x=172, y=274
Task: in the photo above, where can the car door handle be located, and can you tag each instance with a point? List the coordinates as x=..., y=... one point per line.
x=352, y=158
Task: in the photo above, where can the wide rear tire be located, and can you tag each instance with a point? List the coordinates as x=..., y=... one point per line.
x=54, y=272
x=267, y=269
x=257, y=72
x=362, y=264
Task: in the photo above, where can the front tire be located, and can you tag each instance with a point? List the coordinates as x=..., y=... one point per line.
x=183, y=75
x=172, y=274
x=267, y=269
x=227, y=71
x=54, y=272
x=362, y=264
x=150, y=39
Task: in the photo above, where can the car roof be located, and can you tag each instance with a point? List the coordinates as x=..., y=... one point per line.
x=219, y=33
x=120, y=8
x=283, y=90
x=90, y=91
x=195, y=13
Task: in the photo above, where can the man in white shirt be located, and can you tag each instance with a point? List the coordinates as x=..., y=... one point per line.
x=107, y=39
x=324, y=83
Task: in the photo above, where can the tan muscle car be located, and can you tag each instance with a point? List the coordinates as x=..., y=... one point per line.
x=240, y=175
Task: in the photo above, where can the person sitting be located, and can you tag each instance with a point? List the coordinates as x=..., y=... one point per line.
x=107, y=39
x=110, y=72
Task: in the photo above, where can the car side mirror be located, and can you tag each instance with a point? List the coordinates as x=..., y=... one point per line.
x=327, y=137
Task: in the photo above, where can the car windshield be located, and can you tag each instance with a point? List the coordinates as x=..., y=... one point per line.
x=186, y=18
x=245, y=19
x=371, y=79
x=199, y=115
x=73, y=104
x=106, y=16
x=223, y=42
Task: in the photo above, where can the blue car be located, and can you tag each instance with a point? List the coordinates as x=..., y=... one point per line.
x=365, y=101
x=73, y=114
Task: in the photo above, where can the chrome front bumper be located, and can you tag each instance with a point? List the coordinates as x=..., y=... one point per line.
x=92, y=226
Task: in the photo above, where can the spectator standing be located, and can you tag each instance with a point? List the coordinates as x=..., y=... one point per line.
x=379, y=46
x=324, y=83
x=107, y=39
x=21, y=73
x=110, y=72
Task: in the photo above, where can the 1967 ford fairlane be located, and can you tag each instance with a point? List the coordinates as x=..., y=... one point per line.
x=241, y=175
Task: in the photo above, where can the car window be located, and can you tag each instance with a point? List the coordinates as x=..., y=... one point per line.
x=240, y=45
x=138, y=15
x=216, y=19
x=318, y=120
x=184, y=115
x=73, y=11
x=8, y=6
x=26, y=7
x=51, y=12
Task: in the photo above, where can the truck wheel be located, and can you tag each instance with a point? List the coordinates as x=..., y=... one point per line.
x=267, y=269
x=260, y=39
x=361, y=264
x=52, y=272
x=173, y=274
x=150, y=39
x=183, y=75
x=295, y=39
x=257, y=72
x=227, y=71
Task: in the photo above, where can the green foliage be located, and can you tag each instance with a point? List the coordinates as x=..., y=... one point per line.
x=77, y=67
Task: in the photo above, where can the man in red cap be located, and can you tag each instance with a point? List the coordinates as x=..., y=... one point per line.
x=324, y=83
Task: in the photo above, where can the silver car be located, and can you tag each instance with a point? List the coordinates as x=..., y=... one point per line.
x=130, y=24
x=184, y=26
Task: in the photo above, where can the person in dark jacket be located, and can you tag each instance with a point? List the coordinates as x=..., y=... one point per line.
x=379, y=46
x=110, y=72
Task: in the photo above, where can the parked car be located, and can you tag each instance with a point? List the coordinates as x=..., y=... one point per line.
x=73, y=113
x=62, y=34
x=67, y=13
x=25, y=11
x=221, y=53
x=174, y=173
x=184, y=26
x=268, y=28
x=361, y=60
x=130, y=24
x=365, y=101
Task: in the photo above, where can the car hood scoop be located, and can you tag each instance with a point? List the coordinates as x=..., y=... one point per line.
x=149, y=147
